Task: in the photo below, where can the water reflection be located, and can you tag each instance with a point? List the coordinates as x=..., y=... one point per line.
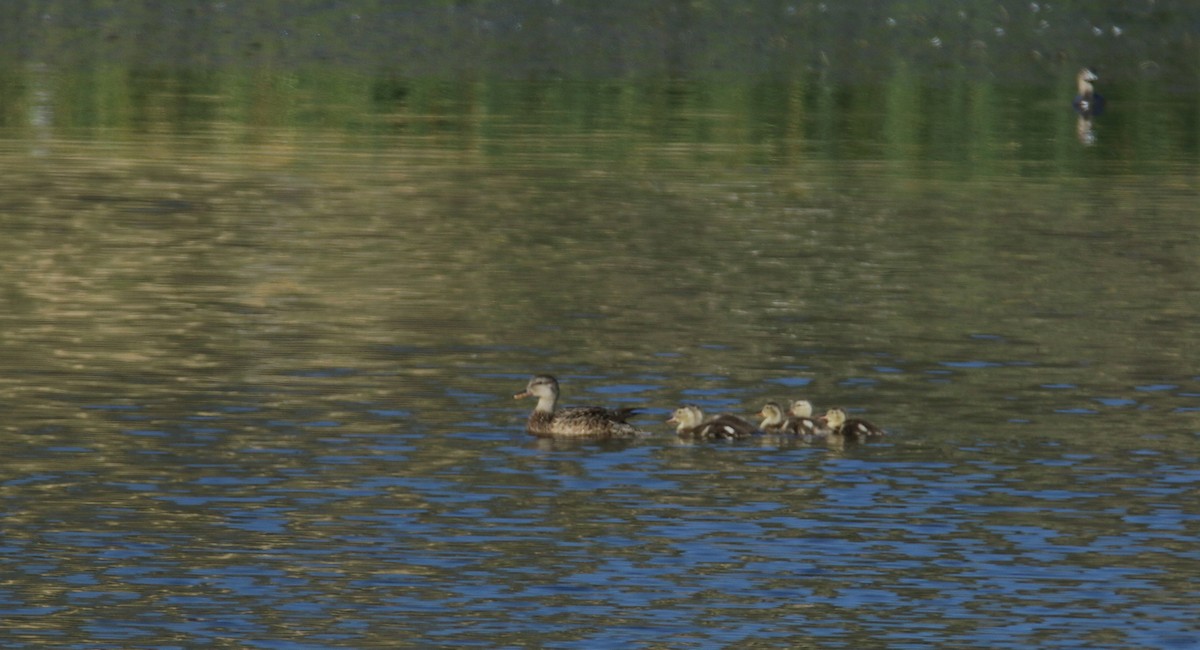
x=259, y=379
x=392, y=530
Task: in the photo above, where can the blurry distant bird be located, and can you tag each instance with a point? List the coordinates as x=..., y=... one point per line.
x=1088, y=103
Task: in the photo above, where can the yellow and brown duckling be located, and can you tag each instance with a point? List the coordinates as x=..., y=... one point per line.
x=774, y=420
x=802, y=410
x=850, y=428
x=690, y=424
x=576, y=422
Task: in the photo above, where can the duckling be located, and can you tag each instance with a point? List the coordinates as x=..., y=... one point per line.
x=775, y=421
x=690, y=423
x=854, y=428
x=577, y=422
x=800, y=408
x=1088, y=103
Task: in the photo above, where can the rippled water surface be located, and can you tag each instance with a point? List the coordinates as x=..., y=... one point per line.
x=260, y=355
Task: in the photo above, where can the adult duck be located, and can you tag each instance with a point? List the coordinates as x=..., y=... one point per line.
x=774, y=420
x=690, y=423
x=1088, y=103
x=576, y=422
x=851, y=428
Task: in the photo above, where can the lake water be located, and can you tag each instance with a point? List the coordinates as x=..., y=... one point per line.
x=261, y=335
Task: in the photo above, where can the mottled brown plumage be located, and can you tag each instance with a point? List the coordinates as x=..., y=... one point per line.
x=577, y=422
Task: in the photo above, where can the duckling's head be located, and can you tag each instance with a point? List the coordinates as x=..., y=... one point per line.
x=771, y=414
x=686, y=417
x=834, y=418
x=541, y=387
x=801, y=408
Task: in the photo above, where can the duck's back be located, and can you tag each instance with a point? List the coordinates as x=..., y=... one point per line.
x=584, y=422
x=804, y=426
x=861, y=429
x=724, y=427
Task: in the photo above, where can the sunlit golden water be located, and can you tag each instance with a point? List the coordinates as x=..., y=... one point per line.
x=273, y=375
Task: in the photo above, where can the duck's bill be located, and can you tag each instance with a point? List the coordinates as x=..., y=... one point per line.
x=523, y=395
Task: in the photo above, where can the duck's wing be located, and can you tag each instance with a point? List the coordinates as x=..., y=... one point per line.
x=727, y=426
x=597, y=413
x=856, y=428
x=807, y=426
x=623, y=414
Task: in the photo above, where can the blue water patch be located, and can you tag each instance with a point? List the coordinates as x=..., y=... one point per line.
x=136, y=487
x=791, y=382
x=623, y=389
x=1154, y=388
x=705, y=392
x=918, y=542
x=887, y=369
x=323, y=424
x=31, y=611
x=390, y=413
x=858, y=381
x=115, y=595
x=1077, y=411
x=970, y=364
x=1062, y=386
x=1116, y=401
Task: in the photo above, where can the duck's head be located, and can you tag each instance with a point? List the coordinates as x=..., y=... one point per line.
x=1084, y=80
x=541, y=387
x=834, y=418
x=771, y=414
x=801, y=408
x=686, y=417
